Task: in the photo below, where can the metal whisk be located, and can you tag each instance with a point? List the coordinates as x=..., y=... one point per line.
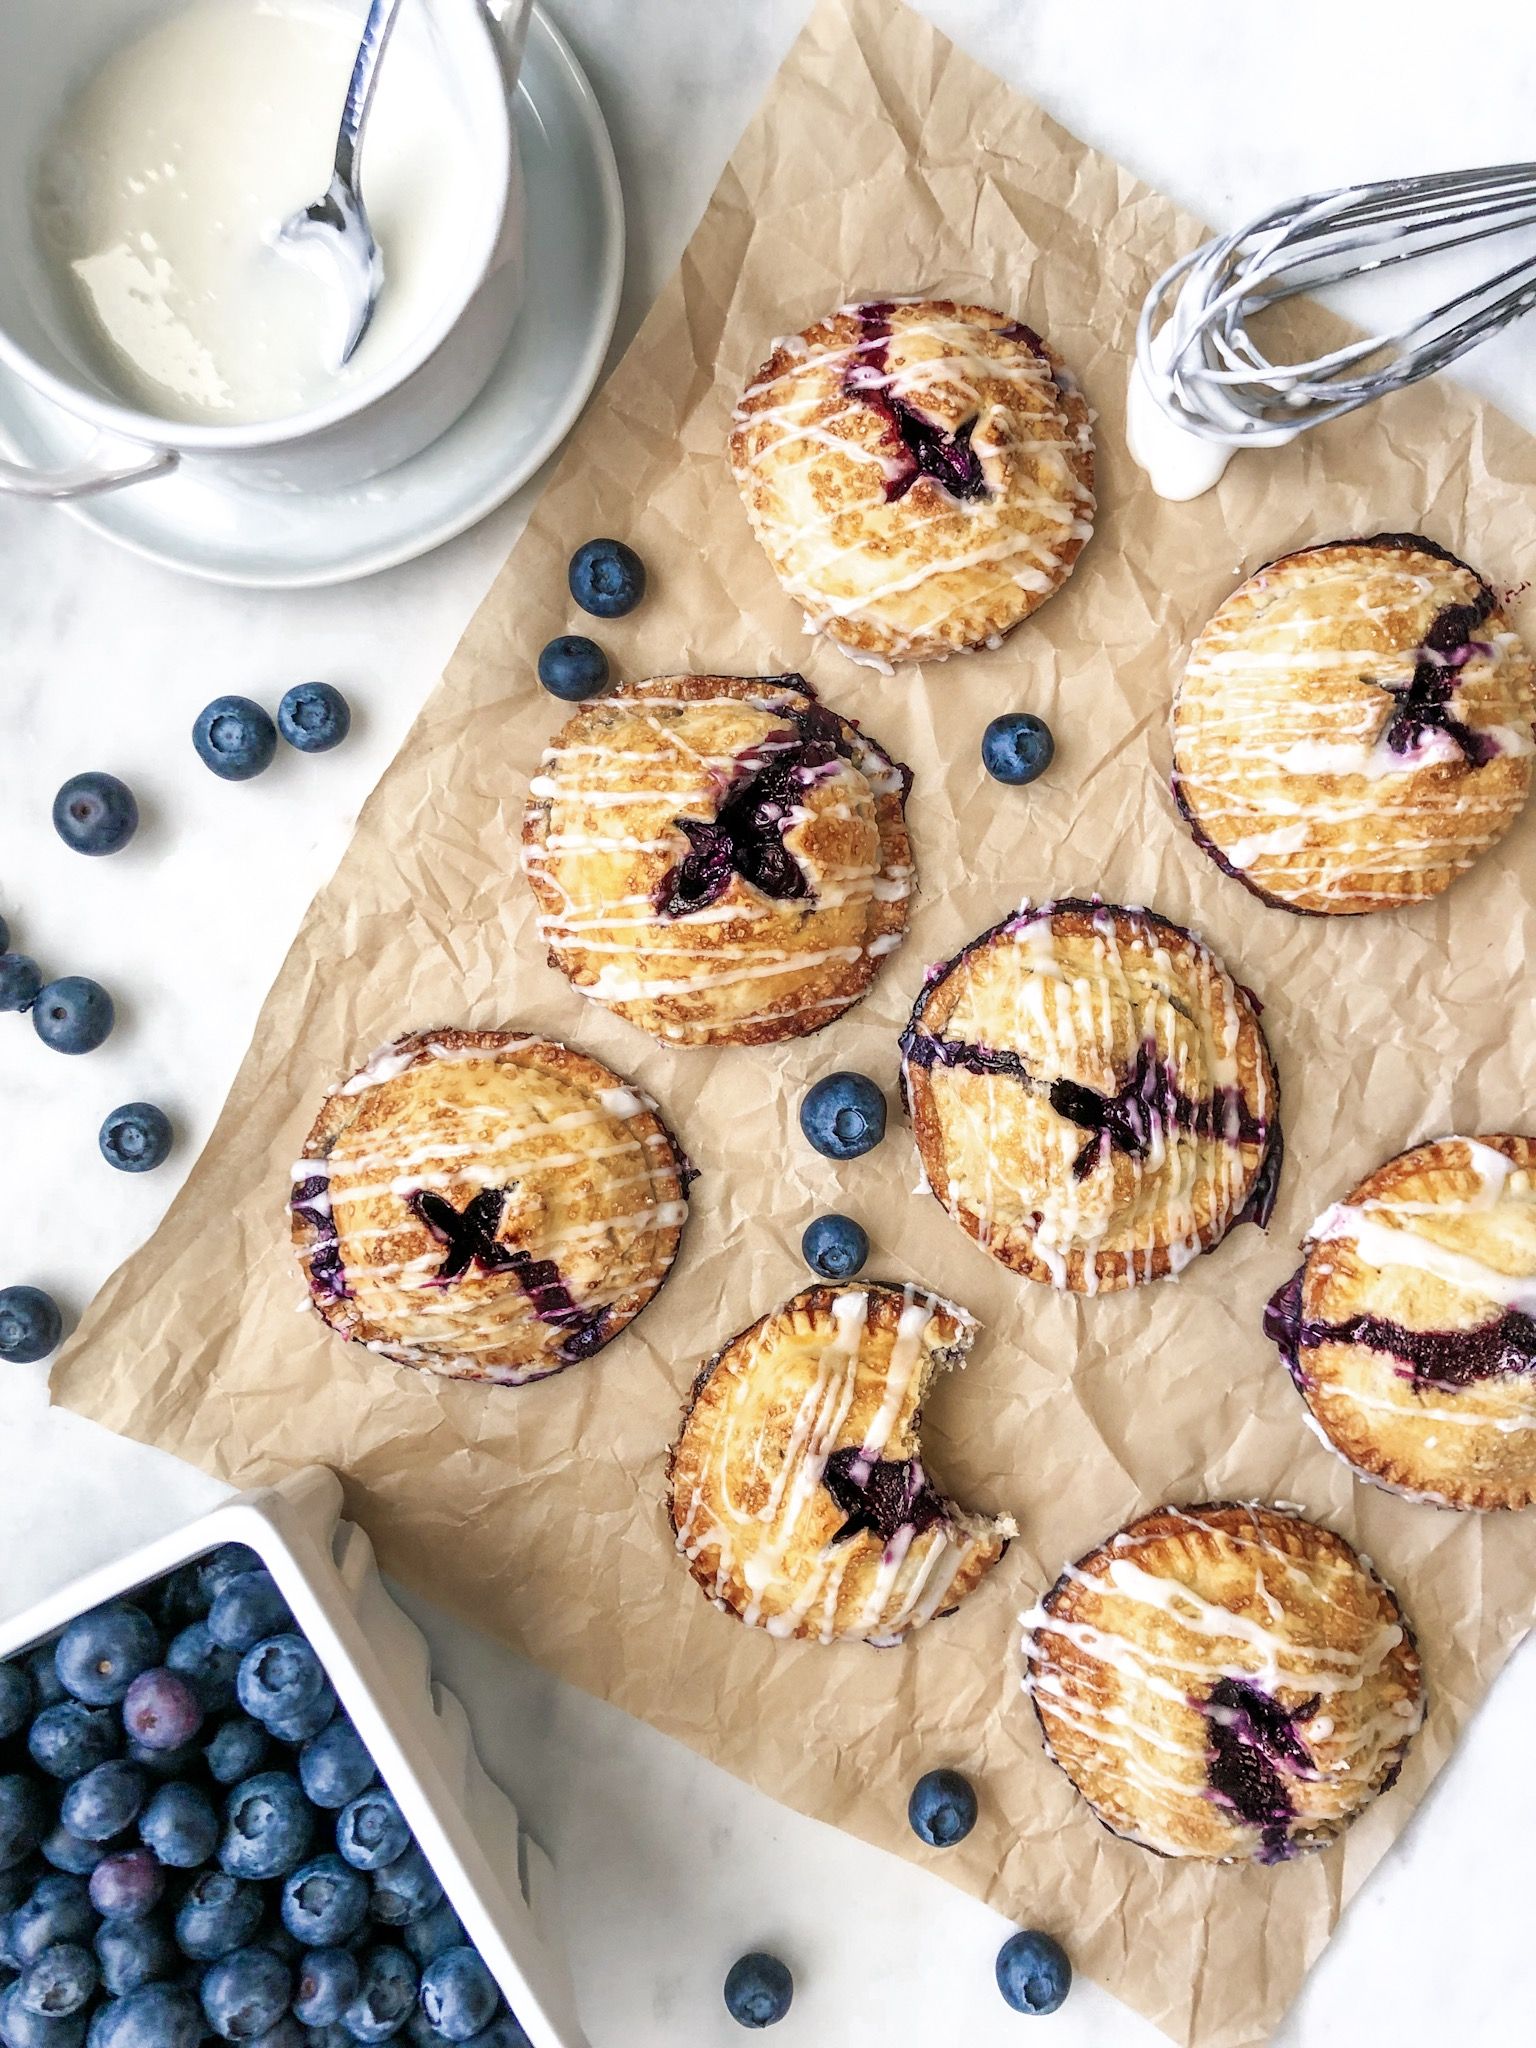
x=1209, y=374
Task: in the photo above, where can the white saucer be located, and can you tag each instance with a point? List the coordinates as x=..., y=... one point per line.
x=575, y=263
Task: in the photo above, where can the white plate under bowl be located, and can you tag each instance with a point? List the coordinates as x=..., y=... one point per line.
x=575, y=267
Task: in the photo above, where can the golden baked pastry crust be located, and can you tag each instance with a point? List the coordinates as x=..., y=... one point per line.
x=1253, y=1740
x=645, y=906
x=1354, y=727
x=1092, y=1096
x=1410, y=1326
x=839, y=446
x=486, y=1205
x=796, y=1487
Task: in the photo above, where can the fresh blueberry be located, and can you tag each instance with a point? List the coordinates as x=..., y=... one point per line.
x=229, y=1561
x=314, y=717
x=758, y=1990
x=181, y=1762
x=161, y=1710
x=573, y=668
x=372, y=1831
x=16, y=1698
x=404, y=1890
x=835, y=1247
x=325, y=1902
x=133, y=1953
x=23, y=1818
x=177, y=1599
x=246, y=1992
x=68, y=1740
x=127, y=1884
x=235, y=738
x=942, y=1809
x=206, y=1665
x=385, y=1998
x=238, y=1750
x=286, y=2033
x=104, y=1801
x=298, y=1728
x=156, y=2016
x=136, y=1138
x=279, y=1678
x=843, y=1116
x=433, y=1932
x=66, y=1852
x=73, y=1014
x=328, y=1983
x=42, y=1669
x=181, y=1826
x=268, y=1827
x=100, y=1654
x=458, y=1993
x=335, y=1766
x=22, y=2029
x=247, y=1610
x=1033, y=1972
x=504, y=2031
x=61, y=1980
x=95, y=813
x=20, y=981
x=30, y=1324
x=606, y=578
x=58, y=1908
x=218, y=1914
x=1017, y=747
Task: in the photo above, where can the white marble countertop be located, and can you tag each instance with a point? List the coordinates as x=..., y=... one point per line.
x=671, y=1867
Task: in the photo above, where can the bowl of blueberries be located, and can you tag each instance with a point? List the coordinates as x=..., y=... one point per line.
x=234, y=1808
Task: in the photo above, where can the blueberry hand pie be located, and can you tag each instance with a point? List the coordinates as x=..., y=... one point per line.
x=1223, y=1682
x=1092, y=1096
x=1354, y=726
x=919, y=473
x=1410, y=1326
x=720, y=859
x=798, y=1492
x=486, y=1205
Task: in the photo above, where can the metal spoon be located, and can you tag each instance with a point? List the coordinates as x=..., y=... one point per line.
x=337, y=225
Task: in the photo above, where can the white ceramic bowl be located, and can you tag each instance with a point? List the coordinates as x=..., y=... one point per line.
x=498, y=1882
x=47, y=52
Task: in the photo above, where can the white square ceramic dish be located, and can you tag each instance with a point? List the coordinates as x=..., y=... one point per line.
x=499, y=1882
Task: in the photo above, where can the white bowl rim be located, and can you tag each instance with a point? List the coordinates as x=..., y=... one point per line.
x=111, y=416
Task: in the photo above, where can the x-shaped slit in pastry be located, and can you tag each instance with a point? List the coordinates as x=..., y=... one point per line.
x=1424, y=703
x=470, y=1235
x=883, y=1495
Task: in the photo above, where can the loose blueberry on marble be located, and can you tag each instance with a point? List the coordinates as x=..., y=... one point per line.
x=100, y=1654
x=235, y=738
x=758, y=1990
x=327, y=1984
x=248, y=1609
x=335, y=1766
x=127, y=1884
x=67, y=1740
x=59, y=1982
x=136, y=1138
x=237, y=1749
x=386, y=1994
x=30, y=1324
x=133, y=1953
x=458, y=1993
x=404, y=1889
x=607, y=578
x=372, y=1831
x=73, y=1014
x=573, y=668
x=156, y=2016
x=1033, y=1972
x=20, y=980
x=843, y=1115
x=95, y=814
x=942, y=1808
x=181, y=1826
x=269, y=1826
x=835, y=1247
x=217, y=1915
x=1017, y=748
x=314, y=717
x=207, y=1666
x=161, y=1710
x=245, y=1993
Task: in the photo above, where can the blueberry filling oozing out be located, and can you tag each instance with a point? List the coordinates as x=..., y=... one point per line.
x=928, y=450
x=1147, y=1104
x=1425, y=704
x=762, y=800
x=311, y=1199
x=883, y=1495
x=1254, y=1747
x=1427, y=1358
x=470, y=1237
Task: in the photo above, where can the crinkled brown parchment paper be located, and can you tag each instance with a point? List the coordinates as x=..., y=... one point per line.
x=883, y=161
